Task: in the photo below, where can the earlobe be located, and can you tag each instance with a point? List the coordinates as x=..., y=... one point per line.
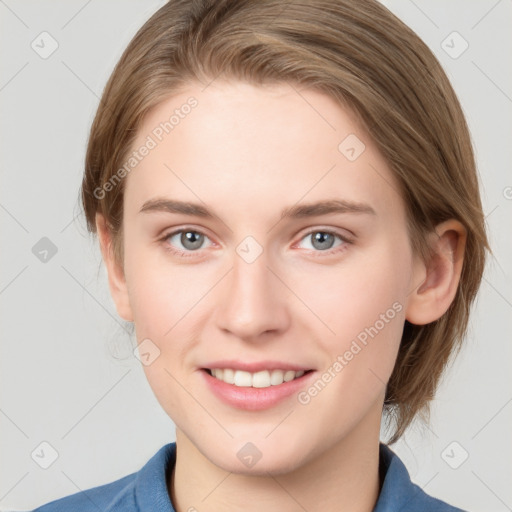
x=116, y=277
x=435, y=283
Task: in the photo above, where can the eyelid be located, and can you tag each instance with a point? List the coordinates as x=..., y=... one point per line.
x=347, y=240
x=318, y=229
x=180, y=252
x=180, y=229
x=333, y=231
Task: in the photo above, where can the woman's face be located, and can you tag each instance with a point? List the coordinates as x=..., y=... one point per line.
x=232, y=262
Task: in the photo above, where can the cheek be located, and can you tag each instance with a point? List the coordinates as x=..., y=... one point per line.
x=170, y=305
x=161, y=293
x=354, y=294
x=362, y=306
x=365, y=310
x=166, y=303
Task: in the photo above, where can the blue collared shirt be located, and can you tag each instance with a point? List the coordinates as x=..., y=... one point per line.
x=146, y=490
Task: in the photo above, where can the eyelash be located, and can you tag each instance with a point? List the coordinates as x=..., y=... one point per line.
x=188, y=254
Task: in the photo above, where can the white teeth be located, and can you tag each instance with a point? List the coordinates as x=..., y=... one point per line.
x=289, y=375
x=229, y=376
x=262, y=379
x=276, y=377
x=243, y=378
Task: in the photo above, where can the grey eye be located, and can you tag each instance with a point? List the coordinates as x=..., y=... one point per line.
x=190, y=240
x=323, y=240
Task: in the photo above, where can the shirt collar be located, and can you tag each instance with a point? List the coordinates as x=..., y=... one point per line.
x=398, y=492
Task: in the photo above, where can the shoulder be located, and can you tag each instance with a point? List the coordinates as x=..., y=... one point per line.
x=103, y=497
x=400, y=493
x=131, y=493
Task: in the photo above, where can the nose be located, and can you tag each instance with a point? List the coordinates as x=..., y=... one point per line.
x=253, y=303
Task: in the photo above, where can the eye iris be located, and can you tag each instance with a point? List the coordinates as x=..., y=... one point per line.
x=191, y=239
x=321, y=238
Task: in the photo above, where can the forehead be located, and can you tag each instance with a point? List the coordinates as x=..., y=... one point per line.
x=235, y=145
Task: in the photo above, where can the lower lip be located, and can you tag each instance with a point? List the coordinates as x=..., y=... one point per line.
x=254, y=399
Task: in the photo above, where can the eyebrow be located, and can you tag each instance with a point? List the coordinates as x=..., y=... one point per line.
x=293, y=212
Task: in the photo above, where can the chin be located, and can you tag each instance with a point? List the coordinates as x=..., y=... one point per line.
x=277, y=465
x=258, y=458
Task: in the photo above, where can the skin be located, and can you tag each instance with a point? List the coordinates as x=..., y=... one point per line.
x=247, y=152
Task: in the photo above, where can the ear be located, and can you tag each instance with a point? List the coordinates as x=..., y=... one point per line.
x=435, y=283
x=116, y=278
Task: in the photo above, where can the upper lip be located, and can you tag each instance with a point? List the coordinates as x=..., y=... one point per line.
x=256, y=366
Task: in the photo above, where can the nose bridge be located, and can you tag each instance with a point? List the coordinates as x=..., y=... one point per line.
x=252, y=302
x=251, y=278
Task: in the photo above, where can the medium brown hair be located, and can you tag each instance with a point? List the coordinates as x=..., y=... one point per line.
x=360, y=54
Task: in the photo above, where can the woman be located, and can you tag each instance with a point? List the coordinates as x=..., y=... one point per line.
x=287, y=205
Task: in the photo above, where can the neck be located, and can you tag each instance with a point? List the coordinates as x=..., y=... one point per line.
x=344, y=478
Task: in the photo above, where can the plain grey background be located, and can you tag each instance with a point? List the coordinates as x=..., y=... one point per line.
x=68, y=375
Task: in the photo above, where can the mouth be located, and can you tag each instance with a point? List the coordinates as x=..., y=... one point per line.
x=260, y=379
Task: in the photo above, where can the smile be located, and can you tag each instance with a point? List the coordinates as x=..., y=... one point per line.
x=261, y=379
